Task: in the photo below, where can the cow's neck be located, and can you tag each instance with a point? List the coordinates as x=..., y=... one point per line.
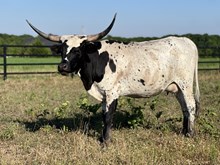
x=93, y=70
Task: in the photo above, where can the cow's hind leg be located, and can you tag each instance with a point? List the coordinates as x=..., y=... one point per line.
x=188, y=106
x=108, y=112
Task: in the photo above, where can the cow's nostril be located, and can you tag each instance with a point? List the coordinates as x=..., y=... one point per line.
x=62, y=67
x=65, y=66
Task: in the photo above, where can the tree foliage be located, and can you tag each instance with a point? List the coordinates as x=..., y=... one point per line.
x=37, y=51
x=6, y=39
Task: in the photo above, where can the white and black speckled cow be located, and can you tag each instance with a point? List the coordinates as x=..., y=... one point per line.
x=110, y=69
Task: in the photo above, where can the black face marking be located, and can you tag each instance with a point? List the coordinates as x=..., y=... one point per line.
x=142, y=82
x=64, y=66
x=85, y=58
x=112, y=65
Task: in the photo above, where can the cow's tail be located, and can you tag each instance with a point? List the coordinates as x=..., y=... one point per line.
x=197, y=92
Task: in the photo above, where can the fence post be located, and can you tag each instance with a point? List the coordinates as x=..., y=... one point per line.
x=5, y=62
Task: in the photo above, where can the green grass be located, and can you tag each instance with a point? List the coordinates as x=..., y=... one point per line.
x=41, y=122
x=31, y=68
x=209, y=65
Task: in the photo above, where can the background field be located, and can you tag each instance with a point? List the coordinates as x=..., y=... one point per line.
x=30, y=68
x=43, y=121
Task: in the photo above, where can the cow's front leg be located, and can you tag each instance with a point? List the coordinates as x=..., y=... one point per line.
x=108, y=112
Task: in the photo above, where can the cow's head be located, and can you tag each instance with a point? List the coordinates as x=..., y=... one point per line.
x=73, y=60
x=73, y=47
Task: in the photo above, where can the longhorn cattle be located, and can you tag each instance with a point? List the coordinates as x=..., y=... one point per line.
x=110, y=69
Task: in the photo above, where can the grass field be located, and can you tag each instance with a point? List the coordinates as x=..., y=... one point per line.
x=209, y=65
x=42, y=121
x=30, y=68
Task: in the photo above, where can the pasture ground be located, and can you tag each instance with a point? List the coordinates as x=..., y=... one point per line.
x=42, y=122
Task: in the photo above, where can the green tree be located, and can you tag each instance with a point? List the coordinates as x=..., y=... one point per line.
x=37, y=50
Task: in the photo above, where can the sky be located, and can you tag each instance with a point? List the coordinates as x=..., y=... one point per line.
x=135, y=18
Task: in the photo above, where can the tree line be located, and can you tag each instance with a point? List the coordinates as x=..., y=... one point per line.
x=209, y=45
x=6, y=39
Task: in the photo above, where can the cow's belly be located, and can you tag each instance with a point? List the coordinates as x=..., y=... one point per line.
x=136, y=84
x=141, y=91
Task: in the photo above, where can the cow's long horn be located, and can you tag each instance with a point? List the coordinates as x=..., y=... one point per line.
x=51, y=37
x=102, y=34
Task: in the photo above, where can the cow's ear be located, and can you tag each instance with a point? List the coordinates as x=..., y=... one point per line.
x=56, y=49
x=92, y=47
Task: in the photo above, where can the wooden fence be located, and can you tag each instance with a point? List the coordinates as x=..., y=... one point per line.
x=4, y=54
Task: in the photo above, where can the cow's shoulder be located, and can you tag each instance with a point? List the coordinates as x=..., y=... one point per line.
x=93, y=69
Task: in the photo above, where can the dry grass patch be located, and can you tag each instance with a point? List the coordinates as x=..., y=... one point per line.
x=41, y=123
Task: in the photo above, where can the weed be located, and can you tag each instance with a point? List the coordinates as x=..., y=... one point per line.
x=83, y=103
x=60, y=111
x=30, y=112
x=213, y=154
x=153, y=104
x=207, y=123
x=47, y=128
x=136, y=117
x=8, y=133
x=134, y=114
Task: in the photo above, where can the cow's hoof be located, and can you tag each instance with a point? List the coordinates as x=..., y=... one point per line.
x=188, y=134
x=103, y=142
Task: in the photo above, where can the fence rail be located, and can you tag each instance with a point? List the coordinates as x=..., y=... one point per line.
x=6, y=55
x=5, y=64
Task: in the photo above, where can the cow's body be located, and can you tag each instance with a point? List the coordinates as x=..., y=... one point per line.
x=111, y=69
x=147, y=68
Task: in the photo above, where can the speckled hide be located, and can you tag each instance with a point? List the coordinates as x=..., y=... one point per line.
x=144, y=69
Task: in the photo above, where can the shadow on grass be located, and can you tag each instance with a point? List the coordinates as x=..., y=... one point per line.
x=93, y=125
x=79, y=121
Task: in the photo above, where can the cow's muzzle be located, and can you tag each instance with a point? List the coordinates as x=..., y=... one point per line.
x=63, y=68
